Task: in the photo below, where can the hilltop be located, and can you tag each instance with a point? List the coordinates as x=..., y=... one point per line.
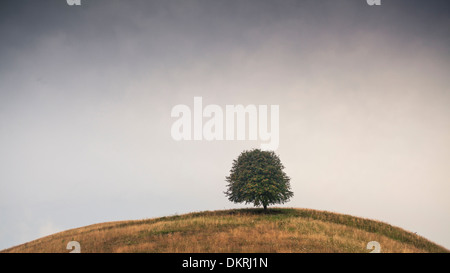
x=238, y=230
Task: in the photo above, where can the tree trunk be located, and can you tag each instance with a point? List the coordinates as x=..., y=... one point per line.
x=265, y=208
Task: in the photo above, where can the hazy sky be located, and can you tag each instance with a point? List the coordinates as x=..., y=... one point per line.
x=86, y=94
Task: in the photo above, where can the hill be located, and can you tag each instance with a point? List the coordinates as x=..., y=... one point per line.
x=240, y=230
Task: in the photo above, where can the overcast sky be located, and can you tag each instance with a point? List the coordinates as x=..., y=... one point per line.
x=86, y=94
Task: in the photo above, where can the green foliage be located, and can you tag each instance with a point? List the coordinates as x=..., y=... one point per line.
x=257, y=177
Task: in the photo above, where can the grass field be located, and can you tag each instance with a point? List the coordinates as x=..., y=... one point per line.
x=241, y=230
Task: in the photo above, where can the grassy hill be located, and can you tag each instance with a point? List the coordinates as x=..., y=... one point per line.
x=241, y=230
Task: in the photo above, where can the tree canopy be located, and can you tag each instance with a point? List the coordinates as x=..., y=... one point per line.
x=257, y=177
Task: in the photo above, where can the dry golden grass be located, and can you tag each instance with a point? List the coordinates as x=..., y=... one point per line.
x=247, y=230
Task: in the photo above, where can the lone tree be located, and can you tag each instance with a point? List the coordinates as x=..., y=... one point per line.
x=257, y=177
